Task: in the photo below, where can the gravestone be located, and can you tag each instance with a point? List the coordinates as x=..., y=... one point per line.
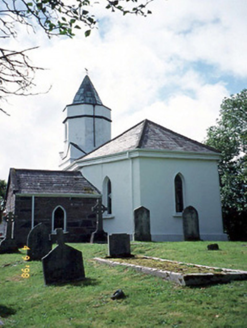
x=63, y=264
x=8, y=244
x=39, y=242
x=119, y=245
x=191, y=224
x=99, y=235
x=142, y=224
x=213, y=247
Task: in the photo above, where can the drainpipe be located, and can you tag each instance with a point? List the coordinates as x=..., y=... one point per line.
x=131, y=190
x=33, y=200
x=94, y=132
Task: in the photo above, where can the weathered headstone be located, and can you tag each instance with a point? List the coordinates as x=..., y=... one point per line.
x=99, y=235
x=213, y=247
x=8, y=244
x=191, y=224
x=63, y=264
x=119, y=245
x=39, y=242
x=142, y=224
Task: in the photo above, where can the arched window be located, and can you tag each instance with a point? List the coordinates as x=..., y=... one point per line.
x=179, y=202
x=66, y=131
x=59, y=219
x=109, y=201
x=107, y=195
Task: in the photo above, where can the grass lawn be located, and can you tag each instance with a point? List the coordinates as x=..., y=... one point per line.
x=150, y=301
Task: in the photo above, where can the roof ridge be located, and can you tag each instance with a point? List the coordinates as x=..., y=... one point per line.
x=142, y=134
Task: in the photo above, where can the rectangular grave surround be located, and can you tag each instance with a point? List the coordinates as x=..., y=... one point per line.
x=221, y=275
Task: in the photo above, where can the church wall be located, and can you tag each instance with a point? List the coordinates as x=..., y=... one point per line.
x=120, y=174
x=200, y=189
x=149, y=181
x=81, y=222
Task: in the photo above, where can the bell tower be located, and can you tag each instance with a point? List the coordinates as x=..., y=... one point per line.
x=87, y=124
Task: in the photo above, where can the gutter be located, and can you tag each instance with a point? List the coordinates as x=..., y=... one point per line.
x=93, y=195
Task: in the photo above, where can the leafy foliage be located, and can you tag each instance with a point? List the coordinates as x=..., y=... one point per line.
x=54, y=17
x=230, y=137
x=3, y=186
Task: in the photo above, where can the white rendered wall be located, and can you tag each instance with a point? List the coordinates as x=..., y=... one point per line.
x=87, y=132
x=200, y=190
x=121, y=220
x=149, y=182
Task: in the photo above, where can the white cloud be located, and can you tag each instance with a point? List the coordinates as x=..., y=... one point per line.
x=141, y=68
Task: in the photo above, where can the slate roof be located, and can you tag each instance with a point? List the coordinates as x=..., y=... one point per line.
x=87, y=93
x=44, y=182
x=151, y=136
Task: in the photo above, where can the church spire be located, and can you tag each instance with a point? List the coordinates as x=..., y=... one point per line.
x=87, y=93
x=87, y=124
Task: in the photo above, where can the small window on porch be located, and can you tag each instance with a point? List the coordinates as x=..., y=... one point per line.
x=59, y=218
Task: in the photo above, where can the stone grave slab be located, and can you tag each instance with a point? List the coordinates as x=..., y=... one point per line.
x=39, y=242
x=191, y=224
x=63, y=264
x=217, y=276
x=119, y=245
x=142, y=224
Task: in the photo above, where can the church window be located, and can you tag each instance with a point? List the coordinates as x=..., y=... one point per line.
x=66, y=132
x=59, y=218
x=179, y=194
x=109, y=202
x=107, y=195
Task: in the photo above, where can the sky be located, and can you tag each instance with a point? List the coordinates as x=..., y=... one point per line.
x=173, y=67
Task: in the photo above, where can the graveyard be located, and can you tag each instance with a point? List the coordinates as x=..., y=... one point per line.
x=149, y=301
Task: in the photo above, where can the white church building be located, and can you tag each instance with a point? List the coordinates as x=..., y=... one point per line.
x=146, y=166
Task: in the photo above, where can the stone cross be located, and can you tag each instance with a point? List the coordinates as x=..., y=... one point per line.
x=99, y=235
x=10, y=226
x=8, y=244
x=99, y=209
x=59, y=236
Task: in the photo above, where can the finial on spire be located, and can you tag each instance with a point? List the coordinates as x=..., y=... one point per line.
x=86, y=71
x=87, y=93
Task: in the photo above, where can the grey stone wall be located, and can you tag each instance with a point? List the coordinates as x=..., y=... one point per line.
x=81, y=222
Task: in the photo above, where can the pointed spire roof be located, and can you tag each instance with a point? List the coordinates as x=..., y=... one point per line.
x=87, y=94
x=150, y=136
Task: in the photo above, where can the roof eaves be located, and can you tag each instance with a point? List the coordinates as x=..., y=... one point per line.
x=74, y=195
